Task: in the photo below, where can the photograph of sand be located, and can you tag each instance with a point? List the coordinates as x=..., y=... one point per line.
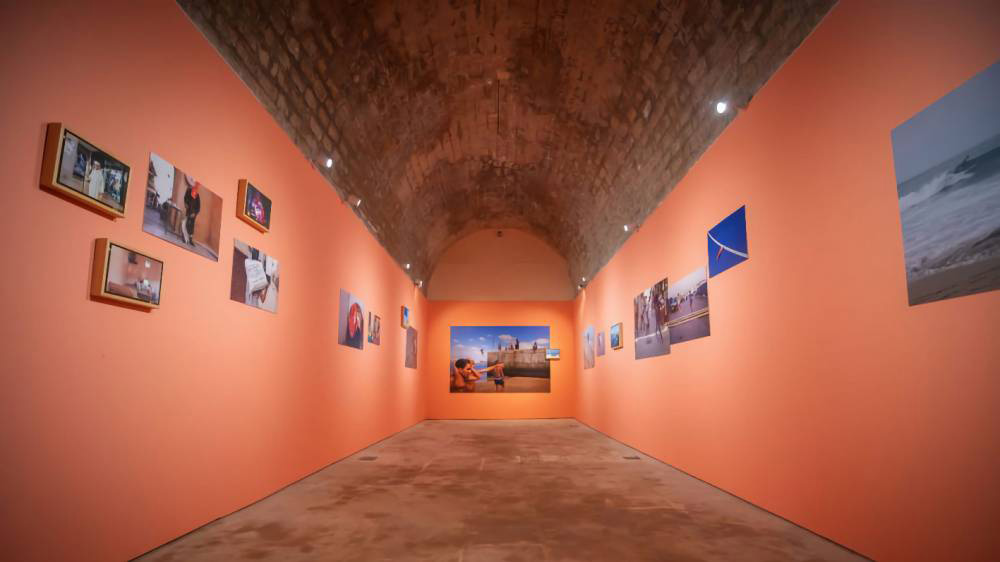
x=652, y=336
x=499, y=359
x=687, y=302
x=947, y=161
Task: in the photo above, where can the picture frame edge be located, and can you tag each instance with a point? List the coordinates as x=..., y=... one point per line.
x=49, y=173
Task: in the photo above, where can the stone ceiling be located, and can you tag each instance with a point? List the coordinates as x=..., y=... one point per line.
x=568, y=118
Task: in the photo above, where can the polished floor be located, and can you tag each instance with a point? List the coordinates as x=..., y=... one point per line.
x=484, y=491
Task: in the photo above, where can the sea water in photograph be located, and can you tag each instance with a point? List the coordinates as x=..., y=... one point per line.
x=505, y=359
x=947, y=161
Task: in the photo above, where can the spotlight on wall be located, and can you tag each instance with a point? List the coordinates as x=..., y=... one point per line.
x=579, y=287
x=420, y=284
x=354, y=200
x=328, y=163
x=583, y=280
x=721, y=107
x=407, y=266
x=626, y=228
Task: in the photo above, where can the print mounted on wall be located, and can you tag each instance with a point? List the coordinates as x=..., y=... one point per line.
x=499, y=359
x=410, y=360
x=600, y=344
x=616, y=336
x=125, y=275
x=588, y=347
x=253, y=207
x=552, y=354
x=181, y=210
x=374, y=329
x=255, y=277
x=947, y=160
x=727, y=242
x=351, y=327
x=687, y=302
x=79, y=170
x=404, y=317
x=652, y=336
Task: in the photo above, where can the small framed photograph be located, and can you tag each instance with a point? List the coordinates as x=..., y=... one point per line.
x=616, y=336
x=126, y=275
x=77, y=169
x=551, y=354
x=404, y=317
x=253, y=207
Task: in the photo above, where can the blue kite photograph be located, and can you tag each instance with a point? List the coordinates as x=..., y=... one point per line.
x=947, y=160
x=499, y=359
x=727, y=242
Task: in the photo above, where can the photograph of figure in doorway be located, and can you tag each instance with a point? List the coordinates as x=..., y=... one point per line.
x=588, y=347
x=499, y=359
x=947, y=162
x=255, y=277
x=90, y=171
x=180, y=210
x=652, y=336
x=687, y=302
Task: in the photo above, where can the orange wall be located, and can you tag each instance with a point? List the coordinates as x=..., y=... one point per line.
x=821, y=395
x=124, y=429
x=442, y=315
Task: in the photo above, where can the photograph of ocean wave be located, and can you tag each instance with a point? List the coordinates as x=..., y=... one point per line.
x=947, y=160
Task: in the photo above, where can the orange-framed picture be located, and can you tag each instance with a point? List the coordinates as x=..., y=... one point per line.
x=79, y=170
x=126, y=275
x=253, y=207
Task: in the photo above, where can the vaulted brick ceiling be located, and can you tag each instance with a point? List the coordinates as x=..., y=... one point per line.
x=565, y=118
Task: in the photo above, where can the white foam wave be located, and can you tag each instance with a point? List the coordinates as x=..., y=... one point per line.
x=932, y=188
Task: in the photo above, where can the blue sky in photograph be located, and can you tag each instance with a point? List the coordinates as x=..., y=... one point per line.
x=964, y=118
x=467, y=341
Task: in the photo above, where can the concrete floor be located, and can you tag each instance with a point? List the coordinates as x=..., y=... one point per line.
x=478, y=491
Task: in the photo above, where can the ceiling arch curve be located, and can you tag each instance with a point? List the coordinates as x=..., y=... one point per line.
x=565, y=119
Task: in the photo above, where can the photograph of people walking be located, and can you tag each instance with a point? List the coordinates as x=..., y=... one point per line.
x=181, y=210
x=687, y=302
x=652, y=337
x=499, y=359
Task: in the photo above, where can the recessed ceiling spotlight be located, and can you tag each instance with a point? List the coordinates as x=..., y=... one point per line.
x=407, y=266
x=329, y=163
x=721, y=107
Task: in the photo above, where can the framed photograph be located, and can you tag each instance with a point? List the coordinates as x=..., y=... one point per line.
x=616, y=336
x=588, y=348
x=600, y=344
x=255, y=279
x=652, y=337
x=253, y=207
x=351, y=328
x=947, y=165
x=552, y=354
x=404, y=317
x=73, y=167
x=410, y=359
x=374, y=329
x=687, y=303
x=126, y=275
x=727, y=242
x=499, y=359
x=181, y=210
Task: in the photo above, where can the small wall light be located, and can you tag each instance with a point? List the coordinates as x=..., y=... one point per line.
x=407, y=266
x=721, y=107
x=329, y=163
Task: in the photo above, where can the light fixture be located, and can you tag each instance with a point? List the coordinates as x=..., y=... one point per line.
x=358, y=202
x=721, y=107
x=626, y=228
x=407, y=266
x=583, y=279
x=420, y=284
x=329, y=162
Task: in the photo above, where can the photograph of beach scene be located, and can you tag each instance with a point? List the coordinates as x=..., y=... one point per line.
x=652, y=336
x=687, y=302
x=947, y=161
x=499, y=359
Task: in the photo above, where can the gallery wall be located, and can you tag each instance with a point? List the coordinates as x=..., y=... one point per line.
x=559, y=402
x=123, y=429
x=821, y=395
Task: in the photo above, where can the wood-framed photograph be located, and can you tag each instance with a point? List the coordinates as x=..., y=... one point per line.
x=77, y=169
x=616, y=336
x=126, y=275
x=253, y=207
